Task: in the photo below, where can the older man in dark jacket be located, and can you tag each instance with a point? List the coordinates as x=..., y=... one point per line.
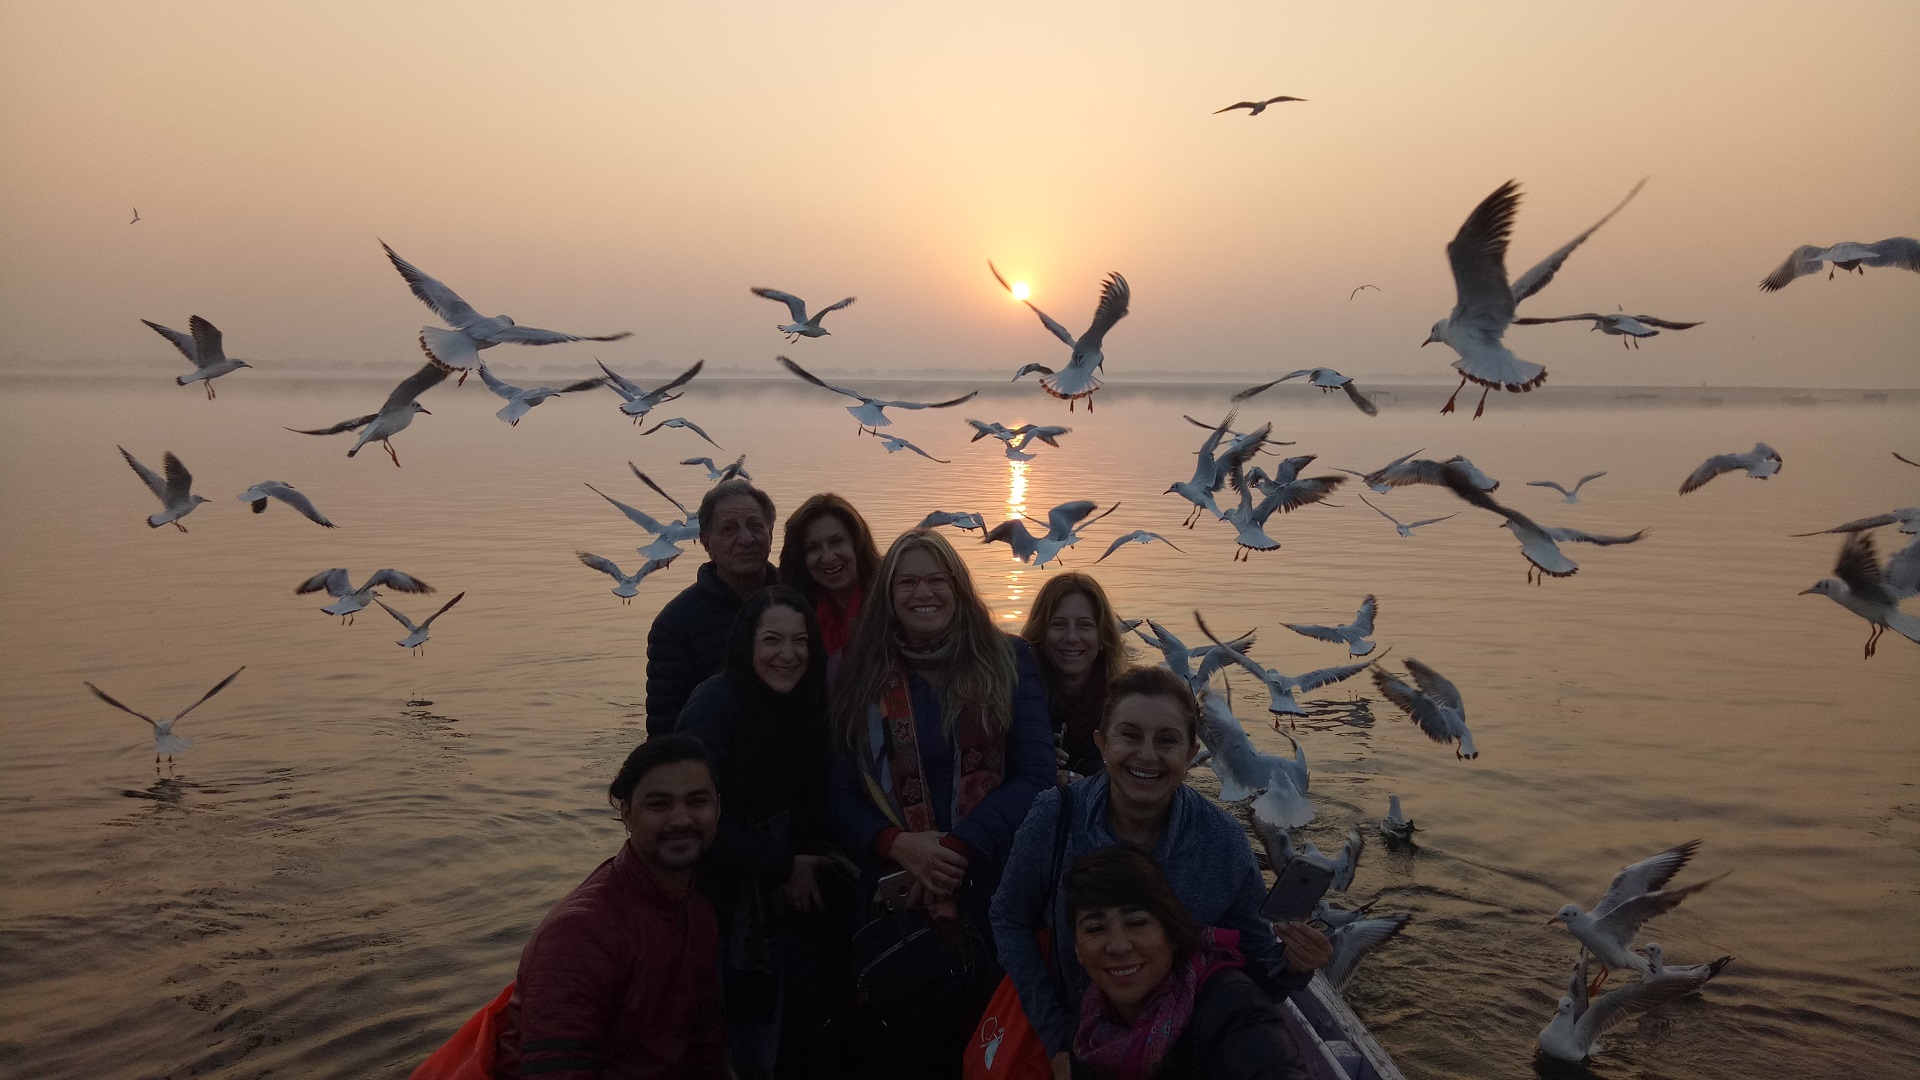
x=688, y=642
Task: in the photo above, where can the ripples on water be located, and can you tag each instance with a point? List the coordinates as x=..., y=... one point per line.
x=348, y=861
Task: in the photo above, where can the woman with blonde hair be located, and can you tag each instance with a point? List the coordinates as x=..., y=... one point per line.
x=1077, y=638
x=941, y=724
x=827, y=553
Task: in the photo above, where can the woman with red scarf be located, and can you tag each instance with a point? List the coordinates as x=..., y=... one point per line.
x=941, y=726
x=1166, y=1000
x=827, y=554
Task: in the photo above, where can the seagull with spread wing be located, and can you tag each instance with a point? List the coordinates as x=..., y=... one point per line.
x=1355, y=940
x=895, y=444
x=1636, y=895
x=1281, y=688
x=802, y=325
x=458, y=349
x=1572, y=496
x=1485, y=302
x=1899, y=252
x=1406, y=530
x=1077, y=380
x=1628, y=328
x=417, y=635
x=717, y=472
x=520, y=400
x=667, y=535
x=203, y=349
x=1872, y=591
x=1196, y=666
x=959, y=519
x=626, y=585
x=349, y=600
x=1277, y=785
x=164, y=740
x=1578, y=1022
x=639, y=399
x=1436, y=706
x=258, y=494
x=1353, y=635
x=394, y=415
x=685, y=424
x=1137, y=536
x=1379, y=487
x=1064, y=523
x=1255, y=108
x=871, y=411
x=175, y=492
x=1326, y=379
x=1760, y=462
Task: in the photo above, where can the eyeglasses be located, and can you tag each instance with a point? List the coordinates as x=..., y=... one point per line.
x=908, y=585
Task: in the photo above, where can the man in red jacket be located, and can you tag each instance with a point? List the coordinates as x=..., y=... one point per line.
x=621, y=979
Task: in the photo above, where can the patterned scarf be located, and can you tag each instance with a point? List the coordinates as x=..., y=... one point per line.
x=1116, y=1050
x=979, y=759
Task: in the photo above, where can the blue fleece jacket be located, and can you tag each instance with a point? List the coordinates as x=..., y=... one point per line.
x=1207, y=859
x=988, y=830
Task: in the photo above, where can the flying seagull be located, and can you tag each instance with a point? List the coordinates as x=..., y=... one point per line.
x=164, y=740
x=895, y=444
x=1281, y=688
x=1255, y=108
x=1635, y=896
x=1377, y=486
x=871, y=411
x=136, y=216
x=1863, y=586
x=1485, y=300
x=203, y=348
x=1407, y=529
x=522, y=399
x=625, y=585
x=1539, y=544
x=1324, y=378
x=1137, y=536
x=1899, y=251
x=458, y=349
x=1908, y=519
x=1277, y=785
x=639, y=399
x=686, y=424
x=1760, y=462
x=1355, y=940
x=1628, y=328
x=968, y=522
x=348, y=599
x=667, y=535
x=394, y=415
x=1064, y=523
x=1356, y=291
x=801, y=326
x=1572, y=496
x=259, y=493
x=1196, y=666
x=1029, y=369
x=716, y=472
x=1214, y=465
x=1897, y=457
x=417, y=635
x=1435, y=706
x=1077, y=379
x=175, y=492
x=1353, y=635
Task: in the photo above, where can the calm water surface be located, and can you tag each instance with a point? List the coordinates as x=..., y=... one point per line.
x=348, y=861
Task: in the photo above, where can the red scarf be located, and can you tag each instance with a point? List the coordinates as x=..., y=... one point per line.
x=1116, y=1050
x=980, y=758
x=836, y=627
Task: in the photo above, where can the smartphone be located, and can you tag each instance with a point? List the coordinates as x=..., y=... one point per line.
x=1296, y=889
x=895, y=887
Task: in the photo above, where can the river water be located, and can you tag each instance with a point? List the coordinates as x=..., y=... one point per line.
x=349, y=859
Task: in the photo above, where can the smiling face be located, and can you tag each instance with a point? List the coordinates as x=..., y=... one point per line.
x=922, y=595
x=1126, y=953
x=1146, y=744
x=1071, y=640
x=829, y=556
x=780, y=648
x=672, y=815
x=740, y=539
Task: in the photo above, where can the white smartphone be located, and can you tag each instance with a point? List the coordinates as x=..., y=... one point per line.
x=1296, y=889
x=895, y=887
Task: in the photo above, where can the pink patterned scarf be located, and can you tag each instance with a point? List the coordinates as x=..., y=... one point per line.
x=1116, y=1050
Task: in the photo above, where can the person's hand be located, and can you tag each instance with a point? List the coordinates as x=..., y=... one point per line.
x=937, y=870
x=802, y=891
x=1308, y=950
x=1062, y=1064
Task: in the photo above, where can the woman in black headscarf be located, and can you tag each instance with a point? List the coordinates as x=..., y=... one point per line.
x=783, y=893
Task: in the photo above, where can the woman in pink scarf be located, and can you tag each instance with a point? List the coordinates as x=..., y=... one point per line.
x=1167, y=1000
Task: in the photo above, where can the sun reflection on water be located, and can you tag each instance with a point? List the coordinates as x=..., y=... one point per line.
x=1016, y=506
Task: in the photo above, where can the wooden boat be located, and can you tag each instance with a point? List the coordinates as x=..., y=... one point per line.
x=1336, y=1044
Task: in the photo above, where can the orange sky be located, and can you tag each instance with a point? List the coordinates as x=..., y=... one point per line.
x=598, y=167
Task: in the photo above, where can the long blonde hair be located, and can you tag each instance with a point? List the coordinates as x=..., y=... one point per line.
x=1113, y=646
x=979, y=673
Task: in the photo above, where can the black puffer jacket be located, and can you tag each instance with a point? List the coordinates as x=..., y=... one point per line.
x=688, y=644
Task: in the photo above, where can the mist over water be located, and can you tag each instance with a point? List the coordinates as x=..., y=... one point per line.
x=350, y=858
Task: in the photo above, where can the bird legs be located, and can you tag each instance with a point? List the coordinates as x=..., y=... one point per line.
x=210, y=393
x=1599, y=980
x=183, y=528
x=1482, y=407
x=389, y=447
x=1873, y=639
x=1448, y=407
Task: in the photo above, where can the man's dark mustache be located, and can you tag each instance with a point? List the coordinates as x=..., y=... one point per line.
x=679, y=834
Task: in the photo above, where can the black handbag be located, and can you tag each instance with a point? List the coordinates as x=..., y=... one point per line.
x=922, y=983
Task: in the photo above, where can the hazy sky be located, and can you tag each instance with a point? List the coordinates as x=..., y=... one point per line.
x=610, y=166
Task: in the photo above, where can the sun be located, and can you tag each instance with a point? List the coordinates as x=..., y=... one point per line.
x=1020, y=290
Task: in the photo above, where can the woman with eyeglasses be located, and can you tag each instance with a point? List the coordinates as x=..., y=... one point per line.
x=941, y=724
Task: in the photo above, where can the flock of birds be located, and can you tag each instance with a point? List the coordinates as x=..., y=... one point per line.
x=1226, y=484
